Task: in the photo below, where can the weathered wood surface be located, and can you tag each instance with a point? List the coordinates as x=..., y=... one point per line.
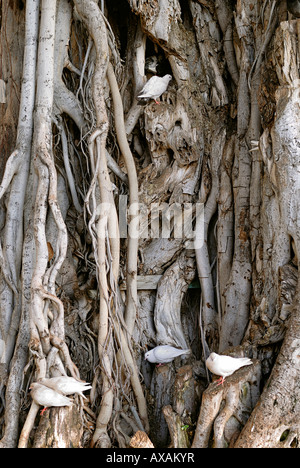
x=144, y=282
x=141, y=440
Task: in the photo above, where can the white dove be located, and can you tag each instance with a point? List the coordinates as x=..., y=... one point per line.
x=164, y=354
x=47, y=397
x=66, y=385
x=155, y=87
x=225, y=365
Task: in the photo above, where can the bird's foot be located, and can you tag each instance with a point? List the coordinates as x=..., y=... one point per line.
x=157, y=102
x=159, y=365
x=43, y=411
x=220, y=381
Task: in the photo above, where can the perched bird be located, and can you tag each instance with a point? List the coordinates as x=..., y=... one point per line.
x=293, y=7
x=154, y=88
x=66, y=385
x=225, y=365
x=47, y=397
x=164, y=354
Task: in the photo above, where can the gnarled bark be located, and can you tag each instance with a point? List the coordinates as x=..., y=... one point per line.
x=224, y=137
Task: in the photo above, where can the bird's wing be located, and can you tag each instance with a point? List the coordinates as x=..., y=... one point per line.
x=168, y=352
x=66, y=385
x=69, y=380
x=47, y=397
x=152, y=83
x=58, y=399
x=228, y=365
x=68, y=388
x=61, y=400
x=54, y=383
x=154, y=87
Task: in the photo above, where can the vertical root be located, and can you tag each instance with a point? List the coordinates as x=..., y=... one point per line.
x=132, y=253
x=28, y=426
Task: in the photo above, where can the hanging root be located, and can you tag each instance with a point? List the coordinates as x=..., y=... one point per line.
x=46, y=310
x=132, y=253
x=113, y=341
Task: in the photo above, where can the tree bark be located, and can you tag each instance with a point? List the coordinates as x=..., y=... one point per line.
x=127, y=225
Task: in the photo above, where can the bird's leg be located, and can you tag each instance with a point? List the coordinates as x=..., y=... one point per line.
x=43, y=411
x=157, y=102
x=220, y=381
x=160, y=364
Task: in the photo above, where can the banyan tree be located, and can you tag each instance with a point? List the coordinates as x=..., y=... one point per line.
x=125, y=225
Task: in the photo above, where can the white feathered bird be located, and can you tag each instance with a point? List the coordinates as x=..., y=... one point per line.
x=225, y=365
x=164, y=354
x=155, y=87
x=47, y=397
x=66, y=385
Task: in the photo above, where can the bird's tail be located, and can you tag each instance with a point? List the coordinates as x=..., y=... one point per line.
x=246, y=361
x=87, y=387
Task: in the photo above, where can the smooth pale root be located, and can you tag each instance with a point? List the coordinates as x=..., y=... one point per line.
x=155, y=87
x=225, y=365
x=164, y=354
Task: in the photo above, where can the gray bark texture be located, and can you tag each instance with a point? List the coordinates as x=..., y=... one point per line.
x=129, y=224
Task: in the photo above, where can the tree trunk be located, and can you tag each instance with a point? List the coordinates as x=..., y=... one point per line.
x=126, y=225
